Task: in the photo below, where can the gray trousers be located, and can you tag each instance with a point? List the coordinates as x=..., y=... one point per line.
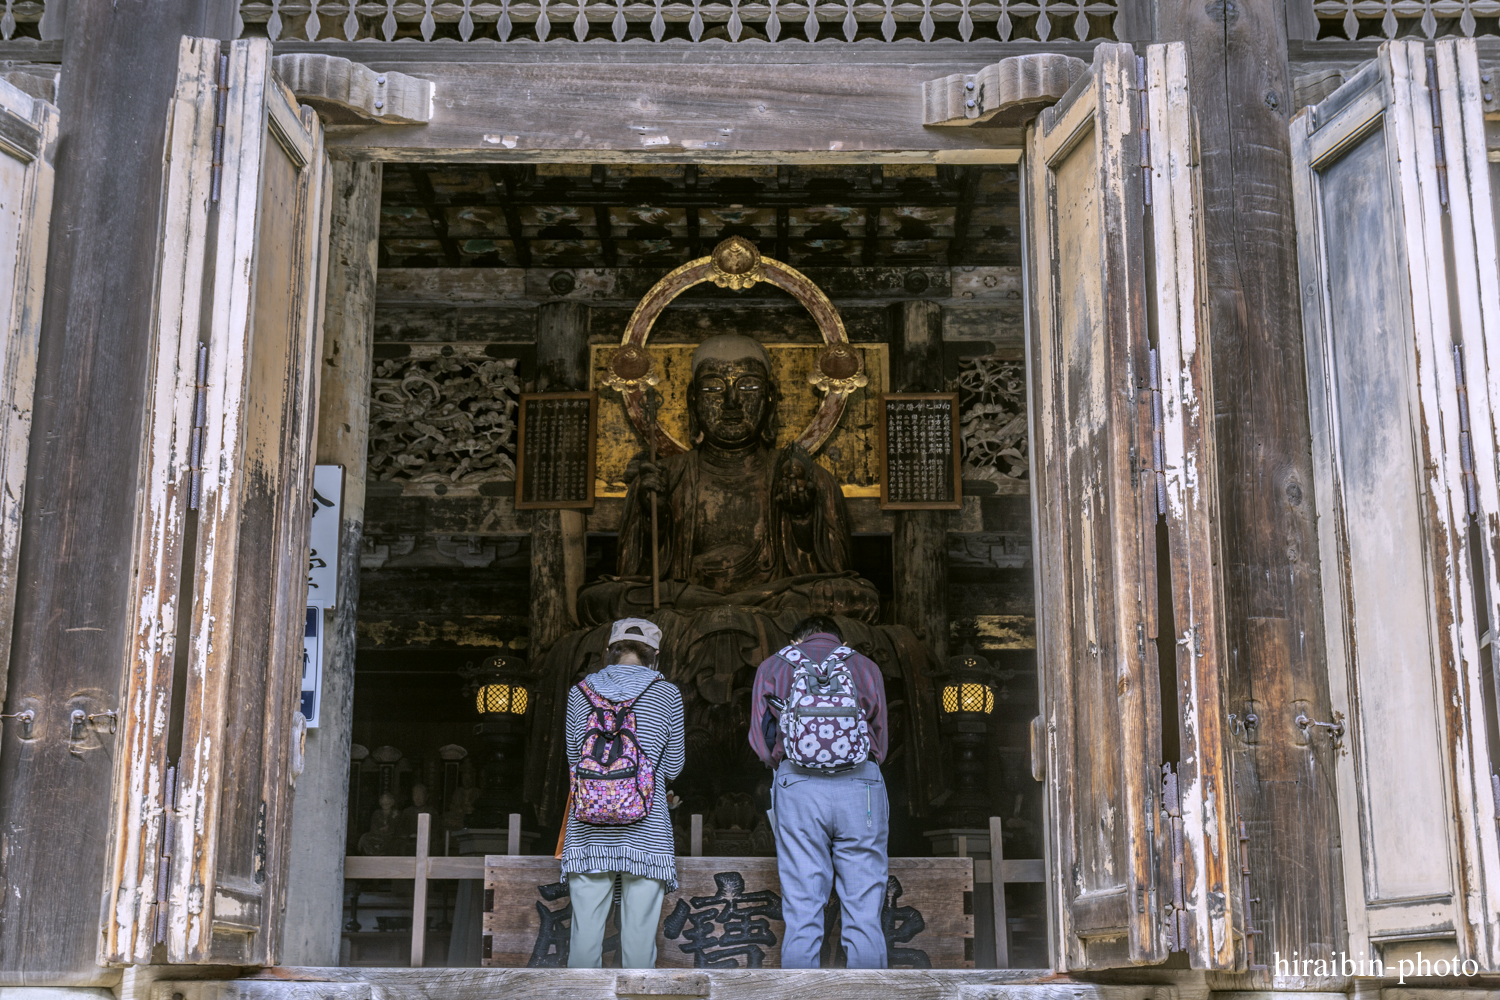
x=640, y=912
x=831, y=830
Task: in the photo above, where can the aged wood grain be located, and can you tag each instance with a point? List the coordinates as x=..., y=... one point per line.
x=71, y=635
x=130, y=925
x=524, y=930
x=824, y=111
x=26, y=179
x=734, y=984
x=1097, y=651
x=1189, y=482
x=1475, y=288
x=1404, y=515
x=249, y=556
x=1237, y=74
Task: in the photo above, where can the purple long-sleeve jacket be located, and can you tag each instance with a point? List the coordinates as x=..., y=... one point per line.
x=774, y=676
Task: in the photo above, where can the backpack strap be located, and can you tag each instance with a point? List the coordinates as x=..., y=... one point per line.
x=835, y=658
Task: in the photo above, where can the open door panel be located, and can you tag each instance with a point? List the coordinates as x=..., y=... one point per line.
x=1400, y=325
x=28, y=135
x=221, y=554
x=1140, y=854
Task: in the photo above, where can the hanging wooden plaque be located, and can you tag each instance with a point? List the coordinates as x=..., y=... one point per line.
x=921, y=464
x=555, y=450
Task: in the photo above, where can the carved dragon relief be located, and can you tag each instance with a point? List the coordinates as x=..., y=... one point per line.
x=992, y=407
x=443, y=418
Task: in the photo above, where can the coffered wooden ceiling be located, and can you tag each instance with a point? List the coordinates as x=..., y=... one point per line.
x=582, y=215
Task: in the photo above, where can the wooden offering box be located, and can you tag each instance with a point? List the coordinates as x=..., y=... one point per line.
x=726, y=914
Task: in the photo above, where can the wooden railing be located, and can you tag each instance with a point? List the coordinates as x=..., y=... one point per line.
x=424, y=867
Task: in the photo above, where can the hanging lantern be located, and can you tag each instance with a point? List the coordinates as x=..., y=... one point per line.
x=968, y=690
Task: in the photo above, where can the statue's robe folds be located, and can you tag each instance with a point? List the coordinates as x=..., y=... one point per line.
x=738, y=573
x=725, y=542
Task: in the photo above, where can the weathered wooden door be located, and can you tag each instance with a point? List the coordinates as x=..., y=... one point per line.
x=204, y=792
x=1140, y=846
x=1403, y=369
x=28, y=132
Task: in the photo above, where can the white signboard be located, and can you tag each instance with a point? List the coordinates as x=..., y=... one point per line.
x=323, y=559
x=312, y=666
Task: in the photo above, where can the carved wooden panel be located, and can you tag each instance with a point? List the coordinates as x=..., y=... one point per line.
x=992, y=420
x=443, y=416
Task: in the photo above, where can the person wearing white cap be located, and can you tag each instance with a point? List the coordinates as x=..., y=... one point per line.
x=638, y=860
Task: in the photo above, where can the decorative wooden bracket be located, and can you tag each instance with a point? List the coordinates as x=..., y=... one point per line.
x=348, y=93
x=1006, y=95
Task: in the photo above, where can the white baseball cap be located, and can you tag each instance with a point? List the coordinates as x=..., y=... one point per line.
x=635, y=630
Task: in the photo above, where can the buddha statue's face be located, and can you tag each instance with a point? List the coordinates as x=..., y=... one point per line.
x=731, y=401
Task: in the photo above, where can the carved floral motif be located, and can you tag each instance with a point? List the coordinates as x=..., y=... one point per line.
x=436, y=419
x=992, y=406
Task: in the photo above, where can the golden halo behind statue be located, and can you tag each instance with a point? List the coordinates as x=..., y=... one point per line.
x=737, y=263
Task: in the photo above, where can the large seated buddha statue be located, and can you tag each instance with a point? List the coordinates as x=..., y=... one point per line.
x=741, y=524
x=752, y=538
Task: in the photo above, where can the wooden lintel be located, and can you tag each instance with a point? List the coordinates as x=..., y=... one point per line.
x=615, y=109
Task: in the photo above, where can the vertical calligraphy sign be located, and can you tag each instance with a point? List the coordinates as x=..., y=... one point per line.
x=921, y=465
x=555, y=450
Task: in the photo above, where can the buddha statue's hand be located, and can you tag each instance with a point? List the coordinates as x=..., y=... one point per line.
x=647, y=477
x=795, y=490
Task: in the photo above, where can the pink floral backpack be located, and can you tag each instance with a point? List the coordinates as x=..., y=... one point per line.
x=614, y=781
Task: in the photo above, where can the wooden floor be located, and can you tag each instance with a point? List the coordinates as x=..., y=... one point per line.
x=609, y=984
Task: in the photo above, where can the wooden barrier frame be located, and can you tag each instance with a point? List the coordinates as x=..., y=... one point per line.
x=424, y=867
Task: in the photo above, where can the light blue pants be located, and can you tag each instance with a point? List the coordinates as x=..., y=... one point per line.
x=831, y=830
x=640, y=913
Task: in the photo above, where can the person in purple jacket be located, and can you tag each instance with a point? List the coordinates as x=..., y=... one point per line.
x=831, y=825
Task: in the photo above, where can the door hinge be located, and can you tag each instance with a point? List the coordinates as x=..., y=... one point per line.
x=164, y=861
x=1158, y=431
x=221, y=112
x=1175, y=913
x=200, y=424
x=1465, y=438
x=1251, y=933
x=1140, y=66
x=1440, y=159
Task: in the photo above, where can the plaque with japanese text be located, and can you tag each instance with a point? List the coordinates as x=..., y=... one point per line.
x=726, y=914
x=555, y=450
x=921, y=466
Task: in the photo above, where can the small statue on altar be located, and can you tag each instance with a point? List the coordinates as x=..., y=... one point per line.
x=419, y=805
x=456, y=816
x=741, y=524
x=383, y=835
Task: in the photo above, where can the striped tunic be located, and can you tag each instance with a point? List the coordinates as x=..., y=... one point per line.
x=646, y=847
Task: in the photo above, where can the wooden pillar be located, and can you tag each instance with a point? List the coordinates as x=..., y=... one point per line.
x=1237, y=58
x=69, y=643
x=557, y=536
x=919, y=547
x=315, y=882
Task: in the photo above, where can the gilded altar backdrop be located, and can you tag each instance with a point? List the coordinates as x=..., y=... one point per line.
x=851, y=453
